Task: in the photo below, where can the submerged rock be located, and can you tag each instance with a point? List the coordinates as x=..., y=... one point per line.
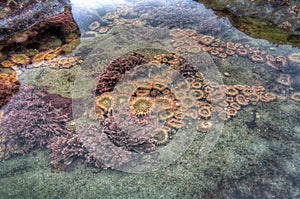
x=19, y=15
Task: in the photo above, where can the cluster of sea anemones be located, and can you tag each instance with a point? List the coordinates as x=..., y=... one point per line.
x=223, y=49
x=9, y=86
x=238, y=96
x=56, y=63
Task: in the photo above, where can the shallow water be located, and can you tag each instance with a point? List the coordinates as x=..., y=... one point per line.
x=106, y=135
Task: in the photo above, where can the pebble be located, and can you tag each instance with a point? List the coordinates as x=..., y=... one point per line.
x=226, y=74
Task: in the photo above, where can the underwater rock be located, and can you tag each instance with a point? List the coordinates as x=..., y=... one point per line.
x=15, y=17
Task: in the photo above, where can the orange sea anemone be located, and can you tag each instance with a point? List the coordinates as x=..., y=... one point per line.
x=94, y=25
x=175, y=123
x=204, y=112
x=32, y=52
x=179, y=115
x=147, y=85
x=141, y=106
x=231, y=91
x=231, y=112
x=142, y=93
x=254, y=97
x=197, y=94
x=204, y=126
x=248, y=90
x=241, y=100
x=7, y=63
x=39, y=57
x=239, y=87
x=295, y=97
x=104, y=101
x=20, y=59
x=268, y=97
x=159, y=86
x=196, y=85
x=235, y=105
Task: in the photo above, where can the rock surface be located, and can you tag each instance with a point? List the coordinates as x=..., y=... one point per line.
x=18, y=15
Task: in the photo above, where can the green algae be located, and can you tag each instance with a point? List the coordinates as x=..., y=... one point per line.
x=255, y=27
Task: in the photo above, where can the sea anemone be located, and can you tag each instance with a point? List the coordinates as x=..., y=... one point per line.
x=241, y=100
x=178, y=43
x=230, y=99
x=241, y=51
x=142, y=92
x=192, y=113
x=179, y=115
x=197, y=94
x=20, y=59
x=235, y=105
x=39, y=57
x=7, y=64
x=32, y=52
x=222, y=55
x=206, y=39
x=230, y=52
x=284, y=79
x=204, y=126
x=161, y=136
x=175, y=123
x=94, y=25
x=257, y=58
x=165, y=114
x=164, y=102
x=267, y=97
x=295, y=97
x=141, y=106
x=147, y=85
x=20, y=38
x=159, y=86
x=231, y=112
x=231, y=91
x=103, y=30
x=104, y=101
x=196, y=85
x=254, y=97
x=194, y=49
x=230, y=46
x=204, y=112
x=294, y=57
x=214, y=52
x=248, y=90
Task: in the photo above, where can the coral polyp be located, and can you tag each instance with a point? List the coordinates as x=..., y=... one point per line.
x=141, y=106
